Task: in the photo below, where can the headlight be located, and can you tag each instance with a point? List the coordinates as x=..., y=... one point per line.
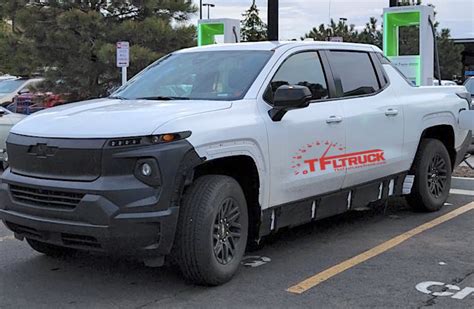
x=149, y=140
x=169, y=137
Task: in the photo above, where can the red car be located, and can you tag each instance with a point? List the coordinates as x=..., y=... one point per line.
x=29, y=103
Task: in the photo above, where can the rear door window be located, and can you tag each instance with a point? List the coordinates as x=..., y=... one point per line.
x=354, y=73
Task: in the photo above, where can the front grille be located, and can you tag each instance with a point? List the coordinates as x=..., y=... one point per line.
x=58, y=159
x=24, y=230
x=80, y=240
x=46, y=198
x=69, y=240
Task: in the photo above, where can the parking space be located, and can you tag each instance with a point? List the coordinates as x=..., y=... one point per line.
x=442, y=254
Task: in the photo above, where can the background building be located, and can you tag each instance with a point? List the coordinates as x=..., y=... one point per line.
x=467, y=56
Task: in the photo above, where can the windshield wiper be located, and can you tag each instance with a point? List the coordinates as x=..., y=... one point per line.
x=117, y=97
x=163, y=98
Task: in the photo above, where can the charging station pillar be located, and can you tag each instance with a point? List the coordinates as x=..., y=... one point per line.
x=419, y=69
x=209, y=31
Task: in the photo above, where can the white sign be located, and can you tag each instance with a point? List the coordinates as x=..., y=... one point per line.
x=445, y=290
x=408, y=65
x=255, y=261
x=123, y=54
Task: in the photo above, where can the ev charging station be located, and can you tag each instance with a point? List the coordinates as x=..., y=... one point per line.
x=211, y=31
x=419, y=69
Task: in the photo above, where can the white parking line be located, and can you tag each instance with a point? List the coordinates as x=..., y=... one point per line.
x=9, y=237
x=462, y=192
x=464, y=178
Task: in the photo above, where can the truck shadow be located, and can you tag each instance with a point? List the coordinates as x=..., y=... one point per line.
x=79, y=278
x=106, y=265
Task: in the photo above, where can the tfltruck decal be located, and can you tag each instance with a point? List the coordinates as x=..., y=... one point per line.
x=307, y=160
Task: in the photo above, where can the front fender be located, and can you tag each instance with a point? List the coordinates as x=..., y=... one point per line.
x=243, y=147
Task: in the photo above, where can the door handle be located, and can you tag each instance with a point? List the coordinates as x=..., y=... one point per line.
x=391, y=112
x=334, y=119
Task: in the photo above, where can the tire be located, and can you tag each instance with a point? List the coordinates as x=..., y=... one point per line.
x=48, y=249
x=213, y=213
x=432, y=177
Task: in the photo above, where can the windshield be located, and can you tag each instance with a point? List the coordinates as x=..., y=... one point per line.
x=8, y=86
x=470, y=85
x=212, y=75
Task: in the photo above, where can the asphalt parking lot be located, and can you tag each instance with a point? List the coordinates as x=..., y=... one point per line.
x=432, y=267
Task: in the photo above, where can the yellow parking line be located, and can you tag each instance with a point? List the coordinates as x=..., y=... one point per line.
x=313, y=281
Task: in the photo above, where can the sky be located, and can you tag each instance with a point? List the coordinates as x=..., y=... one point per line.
x=297, y=17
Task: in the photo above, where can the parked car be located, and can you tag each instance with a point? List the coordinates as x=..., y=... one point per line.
x=444, y=83
x=211, y=148
x=12, y=87
x=6, y=77
x=7, y=121
x=469, y=84
x=29, y=103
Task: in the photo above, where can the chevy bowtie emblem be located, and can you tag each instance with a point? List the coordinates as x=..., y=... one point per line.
x=42, y=151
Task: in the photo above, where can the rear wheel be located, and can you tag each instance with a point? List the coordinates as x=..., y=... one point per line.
x=212, y=230
x=432, y=177
x=48, y=249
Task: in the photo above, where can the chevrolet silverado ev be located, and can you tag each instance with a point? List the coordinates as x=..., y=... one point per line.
x=210, y=149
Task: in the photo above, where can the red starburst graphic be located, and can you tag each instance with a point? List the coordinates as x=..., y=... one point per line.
x=298, y=164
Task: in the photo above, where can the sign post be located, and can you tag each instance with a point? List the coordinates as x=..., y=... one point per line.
x=123, y=58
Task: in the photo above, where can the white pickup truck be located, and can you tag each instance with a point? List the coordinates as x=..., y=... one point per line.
x=212, y=148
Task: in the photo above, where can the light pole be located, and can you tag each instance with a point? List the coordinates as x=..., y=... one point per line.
x=329, y=13
x=209, y=6
x=343, y=20
x=200, y=9
x=273, y=22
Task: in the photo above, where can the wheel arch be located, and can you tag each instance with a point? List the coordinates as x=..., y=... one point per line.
x=244, y=169
x=445, y=134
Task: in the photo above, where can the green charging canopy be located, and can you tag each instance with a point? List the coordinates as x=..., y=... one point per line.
x=392, y=23
x=417, y=68
x=228, y=31
x=208, y=32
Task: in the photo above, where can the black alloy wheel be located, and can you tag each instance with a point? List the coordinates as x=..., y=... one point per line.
x=227, y=231
x=437, y=176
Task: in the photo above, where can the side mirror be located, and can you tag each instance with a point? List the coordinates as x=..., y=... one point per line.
x=2, y=112
x=23, y=91
x=287, y=98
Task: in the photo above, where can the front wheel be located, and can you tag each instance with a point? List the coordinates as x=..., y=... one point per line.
x=432, y=177
x=212, y=230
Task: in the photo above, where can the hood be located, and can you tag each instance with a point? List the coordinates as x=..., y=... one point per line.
x=107, y=118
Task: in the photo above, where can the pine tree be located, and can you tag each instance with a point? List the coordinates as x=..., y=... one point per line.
x=449, y=53
x=73, y=42
x=253, y=28
x=341, y=29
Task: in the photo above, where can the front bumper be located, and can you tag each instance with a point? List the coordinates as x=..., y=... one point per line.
x=116, y=213
x=96, y=223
